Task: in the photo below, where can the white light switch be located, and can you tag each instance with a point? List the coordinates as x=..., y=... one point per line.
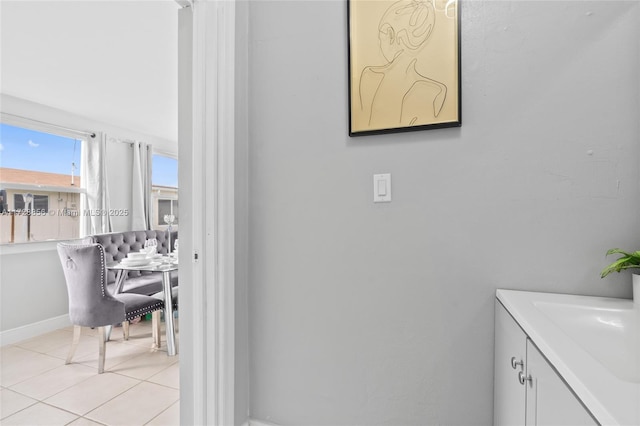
x=382, y=188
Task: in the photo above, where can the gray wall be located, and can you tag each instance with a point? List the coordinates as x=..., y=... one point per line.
x=365, y=313
x=32, y=288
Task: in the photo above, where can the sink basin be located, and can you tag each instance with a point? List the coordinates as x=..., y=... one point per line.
x=610, y=336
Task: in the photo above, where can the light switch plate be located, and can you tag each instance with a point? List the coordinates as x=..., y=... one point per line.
x=382, y=188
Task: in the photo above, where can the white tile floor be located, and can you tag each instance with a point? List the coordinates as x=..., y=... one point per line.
x=140, y=385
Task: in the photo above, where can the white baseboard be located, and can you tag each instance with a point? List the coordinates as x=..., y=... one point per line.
x=28, y=331
x=254, y=422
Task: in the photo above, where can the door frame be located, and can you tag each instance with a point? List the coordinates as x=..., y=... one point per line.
x=206, y=193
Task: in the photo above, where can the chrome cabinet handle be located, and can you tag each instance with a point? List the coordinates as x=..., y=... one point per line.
x=522, y=379
x=515, y=364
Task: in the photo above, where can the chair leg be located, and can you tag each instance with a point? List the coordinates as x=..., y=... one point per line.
x=125, y=330
x=102, y=349
x=155, y=328
x=76, y=339
x=154, y=333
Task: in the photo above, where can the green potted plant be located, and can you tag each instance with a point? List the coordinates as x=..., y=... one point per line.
x=627, y=260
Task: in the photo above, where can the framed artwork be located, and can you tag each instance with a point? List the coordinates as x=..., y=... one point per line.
x=404, y=65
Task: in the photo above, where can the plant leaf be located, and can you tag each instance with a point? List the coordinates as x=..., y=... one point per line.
x=617, y=250
x=627, y=261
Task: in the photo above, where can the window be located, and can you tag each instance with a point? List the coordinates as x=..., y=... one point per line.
x=166, y=207
x=39, y=182
x=39, y=203
x=4, y=205
x=164, y=188
x=165, y=171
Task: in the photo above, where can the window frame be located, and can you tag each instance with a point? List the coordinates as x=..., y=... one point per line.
x=173, y=201
x=57, y=130
x=34, y=206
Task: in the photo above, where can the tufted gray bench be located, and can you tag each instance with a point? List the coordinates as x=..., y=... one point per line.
x=116, y=247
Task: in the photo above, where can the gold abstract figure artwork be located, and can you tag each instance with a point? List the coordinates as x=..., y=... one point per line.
x=408, y=75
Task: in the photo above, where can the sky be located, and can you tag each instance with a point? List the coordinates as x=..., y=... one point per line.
x=31, y=150
x=164, y=171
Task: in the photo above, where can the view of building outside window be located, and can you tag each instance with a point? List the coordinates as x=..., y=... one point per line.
x=167, y=207
x=40, y=202
x=40, y=185
x=164, y=191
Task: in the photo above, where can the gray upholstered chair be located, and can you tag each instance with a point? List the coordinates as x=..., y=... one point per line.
x=91, y=304
x=174, y=296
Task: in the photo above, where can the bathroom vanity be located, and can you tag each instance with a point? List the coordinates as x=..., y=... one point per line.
x=565, y=360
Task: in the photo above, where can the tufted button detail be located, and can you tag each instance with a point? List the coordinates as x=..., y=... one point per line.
x=117, y=245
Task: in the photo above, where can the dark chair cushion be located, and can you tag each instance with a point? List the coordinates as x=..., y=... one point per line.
x=174, y=296
x=137, y=305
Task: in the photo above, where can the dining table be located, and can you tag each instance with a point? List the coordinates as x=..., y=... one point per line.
x=164, y=265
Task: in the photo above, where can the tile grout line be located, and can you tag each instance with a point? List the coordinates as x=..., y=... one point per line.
x=127, y=390
x=44, y=403
x=162, y=412
x=109, y=400
x=140, y=381
x=22, y=409
x=42, y=372
x=137, y=381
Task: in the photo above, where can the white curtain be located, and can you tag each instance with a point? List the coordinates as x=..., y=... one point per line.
x=141, y=186
x=128, y=165
x=94, y=217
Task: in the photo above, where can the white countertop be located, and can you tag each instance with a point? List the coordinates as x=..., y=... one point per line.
x=611, y=400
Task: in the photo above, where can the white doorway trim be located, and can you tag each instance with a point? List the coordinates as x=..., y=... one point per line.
x=206, y=175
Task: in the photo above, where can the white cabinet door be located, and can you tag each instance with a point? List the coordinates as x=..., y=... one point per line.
x=509, y=358
x=549, y=399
